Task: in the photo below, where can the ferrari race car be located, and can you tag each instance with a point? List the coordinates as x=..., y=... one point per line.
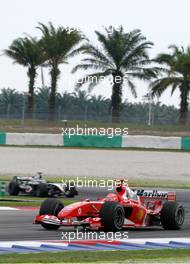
x=37, y=186
x=122, y=209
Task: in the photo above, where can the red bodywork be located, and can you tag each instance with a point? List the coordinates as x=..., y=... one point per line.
x=142, y=209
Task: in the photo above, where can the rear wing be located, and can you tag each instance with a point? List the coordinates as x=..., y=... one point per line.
x=155, y=194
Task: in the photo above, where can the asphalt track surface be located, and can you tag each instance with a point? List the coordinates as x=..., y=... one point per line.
x=95, y=163
x=17, y=225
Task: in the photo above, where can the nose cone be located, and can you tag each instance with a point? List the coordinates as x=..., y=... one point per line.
x=73, y=210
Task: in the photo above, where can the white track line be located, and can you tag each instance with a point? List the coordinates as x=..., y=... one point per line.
x=6, y=208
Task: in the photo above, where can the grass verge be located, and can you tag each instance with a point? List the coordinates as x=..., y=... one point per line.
x=28, y=201
x=129, y=256
x=132, y=182
x=44, y=126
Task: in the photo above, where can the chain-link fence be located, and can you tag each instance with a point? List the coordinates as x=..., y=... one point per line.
x=139, y=117
x=132, y=117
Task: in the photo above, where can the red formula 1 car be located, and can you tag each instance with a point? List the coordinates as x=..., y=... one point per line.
x=125, y=208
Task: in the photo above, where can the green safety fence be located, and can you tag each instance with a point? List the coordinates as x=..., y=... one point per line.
x=2, y=188
x=185, y=143
x=92, y=141
x=2, y=138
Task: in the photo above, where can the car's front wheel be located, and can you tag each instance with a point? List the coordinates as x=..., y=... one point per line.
x=51, y=206
x=112, y=216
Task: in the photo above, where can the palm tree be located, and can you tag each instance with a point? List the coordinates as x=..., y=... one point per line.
x=41, y=97
x=58, y=44
x=28, y=53
x=99, y=104
x=66, y=102
x=81, y=101
x=122, y=56
x=10, y=99
x=177, y=76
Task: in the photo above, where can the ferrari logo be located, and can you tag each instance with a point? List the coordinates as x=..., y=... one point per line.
x=79, y=211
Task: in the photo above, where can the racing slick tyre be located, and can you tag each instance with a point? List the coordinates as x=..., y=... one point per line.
x=172, y=216
x=70, y=191
x=51, y=206
x=13, y=188
x=112, y=216
x=42, y=190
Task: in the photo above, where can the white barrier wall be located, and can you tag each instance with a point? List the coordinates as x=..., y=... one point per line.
x=34, y=139
x=151, y=142
x=130, y=141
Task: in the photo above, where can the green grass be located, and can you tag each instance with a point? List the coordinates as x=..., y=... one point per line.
x=160, y=184
x=18, y=204
x=129, y=256
x=29, y=201
x=40, y=126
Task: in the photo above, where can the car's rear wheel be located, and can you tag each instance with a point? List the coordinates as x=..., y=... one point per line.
x=112, y=216
x=172, y=216
x=42, y=190
x=51, y=206
x=13, y=188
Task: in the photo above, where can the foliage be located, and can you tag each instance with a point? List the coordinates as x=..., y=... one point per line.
x=28, y=53
x=81, y=105
x=57, y=44
x=175, y=76
x=123, y=57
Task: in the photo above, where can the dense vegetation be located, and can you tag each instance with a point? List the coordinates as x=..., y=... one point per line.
x=81, y=105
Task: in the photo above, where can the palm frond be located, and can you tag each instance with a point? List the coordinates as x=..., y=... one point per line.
x=58, y=43
x=84, y=67
x=160, y=85
x=119, y=52
x=26, y=51
x=132, y=87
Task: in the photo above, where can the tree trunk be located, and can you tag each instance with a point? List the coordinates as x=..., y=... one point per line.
x=116, y=96
x=52, y=97
x=32, y=76
x=184, y=105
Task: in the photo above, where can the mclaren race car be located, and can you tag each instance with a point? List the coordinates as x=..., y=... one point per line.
x=122, y=209
x=37, y=186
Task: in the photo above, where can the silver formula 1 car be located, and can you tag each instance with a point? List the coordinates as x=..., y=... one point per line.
x=38, y=186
